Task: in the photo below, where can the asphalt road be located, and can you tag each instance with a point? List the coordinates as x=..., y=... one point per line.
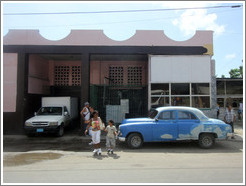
x=182, y=162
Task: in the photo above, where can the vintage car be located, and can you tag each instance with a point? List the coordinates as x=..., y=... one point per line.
x=173, y=124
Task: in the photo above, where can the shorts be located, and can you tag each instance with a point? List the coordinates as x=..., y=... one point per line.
x=110, y=142
x=96, y=136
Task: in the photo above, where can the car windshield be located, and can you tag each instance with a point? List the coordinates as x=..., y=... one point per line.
x=153, y=113
x=50, y=111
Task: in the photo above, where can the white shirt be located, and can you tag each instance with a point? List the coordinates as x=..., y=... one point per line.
x=87, y=114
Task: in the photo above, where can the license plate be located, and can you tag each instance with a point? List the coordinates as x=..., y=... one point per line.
x=40, y=130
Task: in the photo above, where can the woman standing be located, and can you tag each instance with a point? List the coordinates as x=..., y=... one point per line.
x=86, y=116
x=96, y=125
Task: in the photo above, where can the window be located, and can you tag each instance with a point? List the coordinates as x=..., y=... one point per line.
x=61, y=75
x=160, y=95
x=200, y=88
x=67, y=75
x=234, y=87
x=183, y=115
x=201, y=102
x=160, y=89
x=134, y=75
x=180, y=88
x=116, y=75
x=220, y=87
x=180, y=101
x=180, y=94
x=167, y=115
x=76, y=76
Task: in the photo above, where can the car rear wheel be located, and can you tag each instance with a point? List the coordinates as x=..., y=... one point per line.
x=134, y=141
x=206, y=141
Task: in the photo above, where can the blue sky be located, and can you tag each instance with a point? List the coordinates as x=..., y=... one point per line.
x=227, y=23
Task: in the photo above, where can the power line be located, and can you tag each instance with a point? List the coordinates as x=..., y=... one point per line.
x=118, y=22
x=122, y=11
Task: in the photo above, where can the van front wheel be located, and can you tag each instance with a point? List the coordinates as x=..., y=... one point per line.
x=60, y=132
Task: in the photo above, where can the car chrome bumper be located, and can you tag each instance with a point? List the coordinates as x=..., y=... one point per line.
x=122, y=139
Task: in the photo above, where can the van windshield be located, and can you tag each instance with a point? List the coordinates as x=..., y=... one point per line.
x=50, y=111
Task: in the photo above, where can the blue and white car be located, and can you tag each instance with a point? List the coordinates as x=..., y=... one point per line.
x=173, y=124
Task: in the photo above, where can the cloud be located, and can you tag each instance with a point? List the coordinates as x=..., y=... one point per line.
x=230, y=56
x=195, y=19
x=192, y=20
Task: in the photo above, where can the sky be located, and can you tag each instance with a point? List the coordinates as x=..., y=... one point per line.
x=226, y=22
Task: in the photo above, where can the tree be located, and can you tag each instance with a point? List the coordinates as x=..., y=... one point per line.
x=236, y=72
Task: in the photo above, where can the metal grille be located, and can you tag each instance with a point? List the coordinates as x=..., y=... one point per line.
x=76, y=76
x=61, y=75
x=116, y=75
x=134, y=75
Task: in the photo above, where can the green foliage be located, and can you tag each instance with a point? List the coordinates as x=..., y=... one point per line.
x=236, y=72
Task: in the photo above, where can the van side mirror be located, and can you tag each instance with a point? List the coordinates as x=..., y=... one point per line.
x=65, y=113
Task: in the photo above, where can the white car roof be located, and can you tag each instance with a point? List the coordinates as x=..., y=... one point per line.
x=195, y=111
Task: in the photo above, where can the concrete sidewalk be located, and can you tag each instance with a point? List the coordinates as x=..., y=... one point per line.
x=74, y=137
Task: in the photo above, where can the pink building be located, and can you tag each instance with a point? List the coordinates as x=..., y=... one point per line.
x=119, y=78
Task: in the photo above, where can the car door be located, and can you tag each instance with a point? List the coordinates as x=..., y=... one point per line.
x=165, y=128
x=185, y=120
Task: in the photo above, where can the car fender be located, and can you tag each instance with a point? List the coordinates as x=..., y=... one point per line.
x=141, y=128
x=208, y=128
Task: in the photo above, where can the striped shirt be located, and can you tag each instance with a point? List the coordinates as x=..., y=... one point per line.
x=229, y=116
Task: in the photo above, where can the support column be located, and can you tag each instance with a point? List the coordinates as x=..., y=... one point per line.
x=85, y=78
x=22, y=87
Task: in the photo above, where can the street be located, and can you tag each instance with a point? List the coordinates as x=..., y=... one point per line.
x=179, y=162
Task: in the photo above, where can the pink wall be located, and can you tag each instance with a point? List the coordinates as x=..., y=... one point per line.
x=38, y=77
x=9, y=81
x=97, y=37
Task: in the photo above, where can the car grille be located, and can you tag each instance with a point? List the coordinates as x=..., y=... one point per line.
x=40, y=123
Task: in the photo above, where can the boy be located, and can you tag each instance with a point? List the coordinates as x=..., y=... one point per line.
x=110, y=138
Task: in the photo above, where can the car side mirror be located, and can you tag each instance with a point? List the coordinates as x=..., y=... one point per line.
x=35, y=113
x=156, y=119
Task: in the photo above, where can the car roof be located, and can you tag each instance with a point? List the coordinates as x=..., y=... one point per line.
x=195, y=111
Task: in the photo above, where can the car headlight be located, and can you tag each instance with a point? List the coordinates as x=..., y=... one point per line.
x=28, y=124
x=53, y=123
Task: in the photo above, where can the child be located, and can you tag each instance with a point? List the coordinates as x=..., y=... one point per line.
x=110, y=138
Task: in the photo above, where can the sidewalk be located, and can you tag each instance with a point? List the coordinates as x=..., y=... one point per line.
x=74, y=137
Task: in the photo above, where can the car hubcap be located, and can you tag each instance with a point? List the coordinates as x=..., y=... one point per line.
x=207, y=141
x=136, y=141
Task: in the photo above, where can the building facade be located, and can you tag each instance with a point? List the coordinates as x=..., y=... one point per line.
x=121, y=79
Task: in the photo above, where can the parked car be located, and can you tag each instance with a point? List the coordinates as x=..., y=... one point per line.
x=173, y=124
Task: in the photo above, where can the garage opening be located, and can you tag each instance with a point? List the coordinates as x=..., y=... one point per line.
x=52, y=75
x=118, y=86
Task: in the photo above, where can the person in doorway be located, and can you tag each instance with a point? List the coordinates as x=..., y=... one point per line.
x=230, y=118
x=97, y=125
x=111, y=135
x=86, y=116
x=218, y=111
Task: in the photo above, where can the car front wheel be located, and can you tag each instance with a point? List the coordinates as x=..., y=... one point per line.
x=134, y=141
x=206, y=141
x=60, y=131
